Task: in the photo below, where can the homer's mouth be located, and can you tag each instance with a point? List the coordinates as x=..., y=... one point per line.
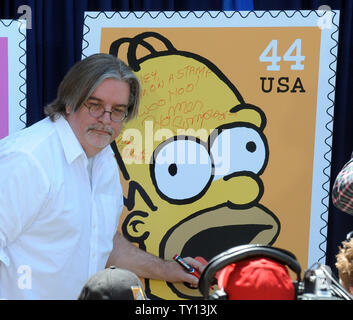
x=230, y=236
x=214, y=230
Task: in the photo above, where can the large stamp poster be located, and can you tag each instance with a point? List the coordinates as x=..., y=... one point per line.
x=232, y=143
x=12, y=76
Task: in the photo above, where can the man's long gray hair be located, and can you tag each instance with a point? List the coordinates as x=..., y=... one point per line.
x=85, y=76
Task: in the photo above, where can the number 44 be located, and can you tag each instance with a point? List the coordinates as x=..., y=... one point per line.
x=288, y=56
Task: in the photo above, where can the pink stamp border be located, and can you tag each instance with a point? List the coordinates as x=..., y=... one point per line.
x=4, y=98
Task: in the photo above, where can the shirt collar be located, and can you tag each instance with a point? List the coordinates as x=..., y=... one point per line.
x=71, y=146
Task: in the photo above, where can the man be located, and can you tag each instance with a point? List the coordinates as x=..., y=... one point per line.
x=60, y=193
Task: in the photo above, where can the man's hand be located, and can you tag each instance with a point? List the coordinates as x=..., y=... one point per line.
x=179, y=274
x=127, y=256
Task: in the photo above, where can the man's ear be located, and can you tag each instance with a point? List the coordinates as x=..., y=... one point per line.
x=351, y=290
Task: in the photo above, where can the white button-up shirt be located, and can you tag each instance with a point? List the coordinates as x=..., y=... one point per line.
x=56, y=227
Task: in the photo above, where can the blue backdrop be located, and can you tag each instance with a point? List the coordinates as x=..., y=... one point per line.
x=54, y=44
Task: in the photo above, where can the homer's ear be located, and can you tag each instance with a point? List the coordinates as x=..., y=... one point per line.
x=134, y=228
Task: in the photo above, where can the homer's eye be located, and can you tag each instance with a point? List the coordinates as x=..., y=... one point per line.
x=182, y=170
x=239, y=149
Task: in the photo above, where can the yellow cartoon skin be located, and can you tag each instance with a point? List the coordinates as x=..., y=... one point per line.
x=191, y=163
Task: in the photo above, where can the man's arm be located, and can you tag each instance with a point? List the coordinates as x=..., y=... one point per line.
x=126, y=255
x=342, y=192
x=23, y=190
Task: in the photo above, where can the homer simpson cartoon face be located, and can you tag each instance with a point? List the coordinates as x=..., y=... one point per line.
x=191, y=162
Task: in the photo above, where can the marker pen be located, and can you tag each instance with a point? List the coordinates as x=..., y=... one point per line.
x=186, y=266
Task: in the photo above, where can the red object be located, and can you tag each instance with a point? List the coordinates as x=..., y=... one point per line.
x=256, y=279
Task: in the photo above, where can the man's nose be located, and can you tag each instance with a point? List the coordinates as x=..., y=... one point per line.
x=106, y=117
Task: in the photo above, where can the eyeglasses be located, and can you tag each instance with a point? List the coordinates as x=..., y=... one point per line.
x=97, y=110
